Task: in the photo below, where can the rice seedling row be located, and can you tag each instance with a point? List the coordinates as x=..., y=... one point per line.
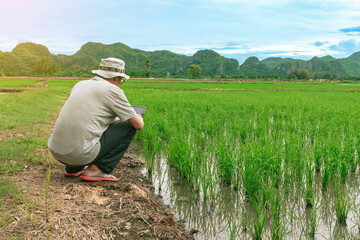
x=281, y=153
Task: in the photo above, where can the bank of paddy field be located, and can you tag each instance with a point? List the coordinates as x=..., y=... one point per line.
x=37, y=202
x=249, y=160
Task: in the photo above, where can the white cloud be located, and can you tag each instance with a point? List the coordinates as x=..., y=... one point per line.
x=8, y=44
x=267, y=27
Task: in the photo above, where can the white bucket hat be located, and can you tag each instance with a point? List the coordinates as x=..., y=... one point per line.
x=110, y=68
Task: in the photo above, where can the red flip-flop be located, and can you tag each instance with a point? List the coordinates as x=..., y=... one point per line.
x=97, y=178
x=73, y=175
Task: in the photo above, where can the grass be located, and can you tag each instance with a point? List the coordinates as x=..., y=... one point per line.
x=9, y=198
x=24, y=118
x=33, y=106
x=16, y=82
x=24, y=115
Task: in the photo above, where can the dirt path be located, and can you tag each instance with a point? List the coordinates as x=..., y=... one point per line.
x=127, y=209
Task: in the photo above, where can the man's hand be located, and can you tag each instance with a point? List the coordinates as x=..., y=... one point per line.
x=137, y=122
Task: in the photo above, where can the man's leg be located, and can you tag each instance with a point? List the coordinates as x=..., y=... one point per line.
x=114, y=143
x=72, y=169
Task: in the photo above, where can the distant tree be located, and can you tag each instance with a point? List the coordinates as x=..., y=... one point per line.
x=194, y=70
x=327, y=75
x=147, y=65
x=45, y=66
x=302, y=74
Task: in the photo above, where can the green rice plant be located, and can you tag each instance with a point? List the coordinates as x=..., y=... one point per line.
x=225, y=161
x=207, y=179
x=325, y=178
x=349, y=154
x=277, y=175
x=277, y=229
x=352, y=161
x=309, y=198
x=257, y=141
x=232, y=229
x=343, y=171
x=341, y=203
x=251, y=181
x=179, y=156
x=334, y=153
x=313, y=220
x=318, y=158
x=244, y=219
x=259, y=221
x=151, y=147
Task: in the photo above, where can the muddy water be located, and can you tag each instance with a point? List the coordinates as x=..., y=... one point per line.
x=230, y=214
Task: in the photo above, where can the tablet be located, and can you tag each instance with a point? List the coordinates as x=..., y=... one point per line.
x=139, y=110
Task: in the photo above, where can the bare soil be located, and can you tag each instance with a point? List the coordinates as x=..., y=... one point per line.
x=127, y=209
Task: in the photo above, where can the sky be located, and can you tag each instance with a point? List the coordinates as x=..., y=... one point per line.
x=236, y=29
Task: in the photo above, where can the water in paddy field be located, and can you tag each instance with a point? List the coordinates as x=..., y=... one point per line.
x=230, y=215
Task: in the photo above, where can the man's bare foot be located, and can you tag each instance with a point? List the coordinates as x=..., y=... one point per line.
x=93, y=173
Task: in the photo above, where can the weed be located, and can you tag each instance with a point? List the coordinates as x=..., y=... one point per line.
x=47, y=181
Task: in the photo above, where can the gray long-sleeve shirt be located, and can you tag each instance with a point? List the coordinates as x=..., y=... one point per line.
x=92, y=106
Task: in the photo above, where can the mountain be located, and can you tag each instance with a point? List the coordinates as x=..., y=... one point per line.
x=354, y=57
x=253, y=67
x=213, y=64
x=346, y=67
x=273, y=62
x=351, y=64
x=328, y=58
x=23, y=58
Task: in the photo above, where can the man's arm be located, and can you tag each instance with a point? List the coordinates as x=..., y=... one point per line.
x=137, y=122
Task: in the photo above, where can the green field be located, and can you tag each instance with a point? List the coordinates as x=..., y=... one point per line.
x=283, y=149
x=271, y=160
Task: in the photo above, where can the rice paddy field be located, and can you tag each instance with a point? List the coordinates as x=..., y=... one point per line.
x=251, y=160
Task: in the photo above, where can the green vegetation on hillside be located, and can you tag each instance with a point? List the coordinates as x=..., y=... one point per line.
x=29, y=59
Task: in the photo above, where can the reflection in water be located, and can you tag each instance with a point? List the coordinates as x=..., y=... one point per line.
x=229, y=213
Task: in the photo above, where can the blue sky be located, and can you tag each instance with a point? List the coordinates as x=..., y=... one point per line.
x=233, y=28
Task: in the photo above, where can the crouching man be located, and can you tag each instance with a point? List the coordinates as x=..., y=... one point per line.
x=95, y=125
